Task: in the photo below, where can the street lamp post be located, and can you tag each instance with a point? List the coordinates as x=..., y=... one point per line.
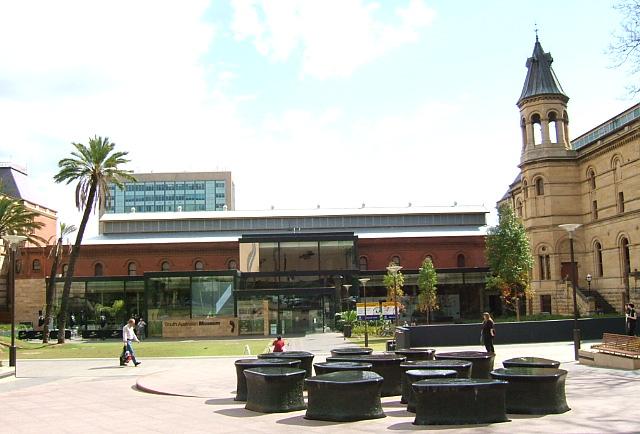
x=393, y=269
x=364, y=281
x=13, y=241
x=589, y=278
x=347, y=286
x=571, y=228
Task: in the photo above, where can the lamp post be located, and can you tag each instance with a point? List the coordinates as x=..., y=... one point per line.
x=571, y=228
x=393, y=269
x=347, y=286
x=13, y=241
x=589, y=278
x=364, y=281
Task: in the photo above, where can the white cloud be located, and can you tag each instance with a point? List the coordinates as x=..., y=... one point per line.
x=334, y=37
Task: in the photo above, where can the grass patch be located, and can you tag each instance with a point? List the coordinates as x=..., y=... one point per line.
x=108, y=349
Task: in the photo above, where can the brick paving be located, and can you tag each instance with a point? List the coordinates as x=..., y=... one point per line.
x=97, y=395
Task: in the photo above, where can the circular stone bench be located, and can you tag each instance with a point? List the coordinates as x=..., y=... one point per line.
x=344, y=396
x=415, y=375
x=462, y=367
x=329, y=367
x=306, y=359
x=534, y=390
x=530, y=362
x=417, y=353
x=459, y=401
x=482, y=361
x=351, y=351
x=242, y=364
x=274, y=389
x=387, y=365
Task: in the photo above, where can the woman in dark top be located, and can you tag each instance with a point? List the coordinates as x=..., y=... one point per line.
x=488, y=332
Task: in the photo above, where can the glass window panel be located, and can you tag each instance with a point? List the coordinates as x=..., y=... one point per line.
x=212, y=296
x=337, y=255
x=169, y=297
x=299, y=256
x=268, y=257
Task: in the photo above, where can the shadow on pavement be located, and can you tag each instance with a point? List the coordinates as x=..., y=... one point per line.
x=301, y=421
x=239, y=412
x=222, y=401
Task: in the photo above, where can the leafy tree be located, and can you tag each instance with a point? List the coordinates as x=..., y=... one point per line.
x=427, y=281
x=394, y=288
x=626, y=46
x=509, y=257
x=93, y=167
x=56, y=252
x=17, y=219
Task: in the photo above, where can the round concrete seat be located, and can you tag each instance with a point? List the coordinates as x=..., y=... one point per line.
x=459, y=401
x=306, y=359
x=344, y=396
x=387, y=365
x=351, y=351
x=534, y=390
x=417, y=353
x=328, y=367
x=530, y=362
x=482, y=361
x=242, y=364
x=415, y=375
x=274, y=389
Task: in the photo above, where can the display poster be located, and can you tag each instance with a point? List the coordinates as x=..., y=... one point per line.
x=374, y=310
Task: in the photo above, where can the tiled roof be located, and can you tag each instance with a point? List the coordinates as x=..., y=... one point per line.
x=541, y=80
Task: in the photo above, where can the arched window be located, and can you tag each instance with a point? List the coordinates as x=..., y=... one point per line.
x=617, y=169
x=232, y=264
x=537, y=129
x=592, y=179
x=565, y=124
x=165, y=266
x=395, y=259
x=539, y=187
x=65, y=268
x=98, y=269
x=523, y=128
x=198, y=266
x=624, y=253
x=519, y=208
x=461, y=261
x=525, y=189
x=132, y=269
x=597, y=250
x=363, y=263
x=553, y=127
x=544, y=264
x=35, y=265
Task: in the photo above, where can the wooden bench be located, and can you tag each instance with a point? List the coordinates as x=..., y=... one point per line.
x=619, y=345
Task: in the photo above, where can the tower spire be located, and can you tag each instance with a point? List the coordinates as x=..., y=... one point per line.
x=541, y=80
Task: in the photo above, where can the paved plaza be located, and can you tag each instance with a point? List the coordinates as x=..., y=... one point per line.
x=196, y=395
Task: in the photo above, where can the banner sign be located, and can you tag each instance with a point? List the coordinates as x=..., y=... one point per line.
x=374, y=310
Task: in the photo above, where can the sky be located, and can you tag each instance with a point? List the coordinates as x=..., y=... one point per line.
x=331, y=103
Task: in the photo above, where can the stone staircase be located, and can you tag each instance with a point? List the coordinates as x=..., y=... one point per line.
x=602, y=305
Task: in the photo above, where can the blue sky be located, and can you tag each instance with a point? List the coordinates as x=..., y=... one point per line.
x=332, y=103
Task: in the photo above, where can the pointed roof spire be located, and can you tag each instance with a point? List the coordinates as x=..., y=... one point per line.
x=541, y=80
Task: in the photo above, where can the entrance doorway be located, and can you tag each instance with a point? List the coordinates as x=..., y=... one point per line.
x=569, y=271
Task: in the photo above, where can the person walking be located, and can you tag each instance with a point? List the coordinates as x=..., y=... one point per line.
x=129, y=335
x=278, y=345
x=632, y=318
x=488, y=332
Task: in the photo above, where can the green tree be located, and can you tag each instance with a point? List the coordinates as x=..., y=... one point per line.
x=509, y=258
x=427, y=281
x=17, y=219
x=56, y=252
x=395, y=287
x=625, y=49
x=93, y=167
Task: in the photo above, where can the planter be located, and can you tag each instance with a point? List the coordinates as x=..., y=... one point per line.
x=346, y=330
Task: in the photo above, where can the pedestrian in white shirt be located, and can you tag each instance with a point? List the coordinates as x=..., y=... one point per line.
x=129, y=335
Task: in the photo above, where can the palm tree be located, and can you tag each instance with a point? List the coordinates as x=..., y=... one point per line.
x=93, y=167
x=17, y=219
x=56, y=252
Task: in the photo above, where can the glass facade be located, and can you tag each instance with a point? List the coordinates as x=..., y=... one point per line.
x=169, y=196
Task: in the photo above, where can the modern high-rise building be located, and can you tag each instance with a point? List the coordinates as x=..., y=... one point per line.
x=172, y=192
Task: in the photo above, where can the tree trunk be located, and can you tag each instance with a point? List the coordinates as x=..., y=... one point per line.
x=62, y=315
x=50, y=290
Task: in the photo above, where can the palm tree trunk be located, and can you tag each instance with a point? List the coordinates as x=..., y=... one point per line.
x=51, y=285
x=62, y=316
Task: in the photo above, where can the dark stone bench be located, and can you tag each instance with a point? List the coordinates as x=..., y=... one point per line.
x=37, y=334
x=482, y=361
x=387, y=365
x=242, y=364
x=306, y=359
x=274, y=389
x=351, y=351
x=102, y=334
x=417, y=353
x=530, y=362
x=462, y=367
x=344, y=396
x=329, y=367
x=459, y=401
x=534, y=390
x=415, y=375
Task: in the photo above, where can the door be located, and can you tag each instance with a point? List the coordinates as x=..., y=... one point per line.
x=569, y=271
